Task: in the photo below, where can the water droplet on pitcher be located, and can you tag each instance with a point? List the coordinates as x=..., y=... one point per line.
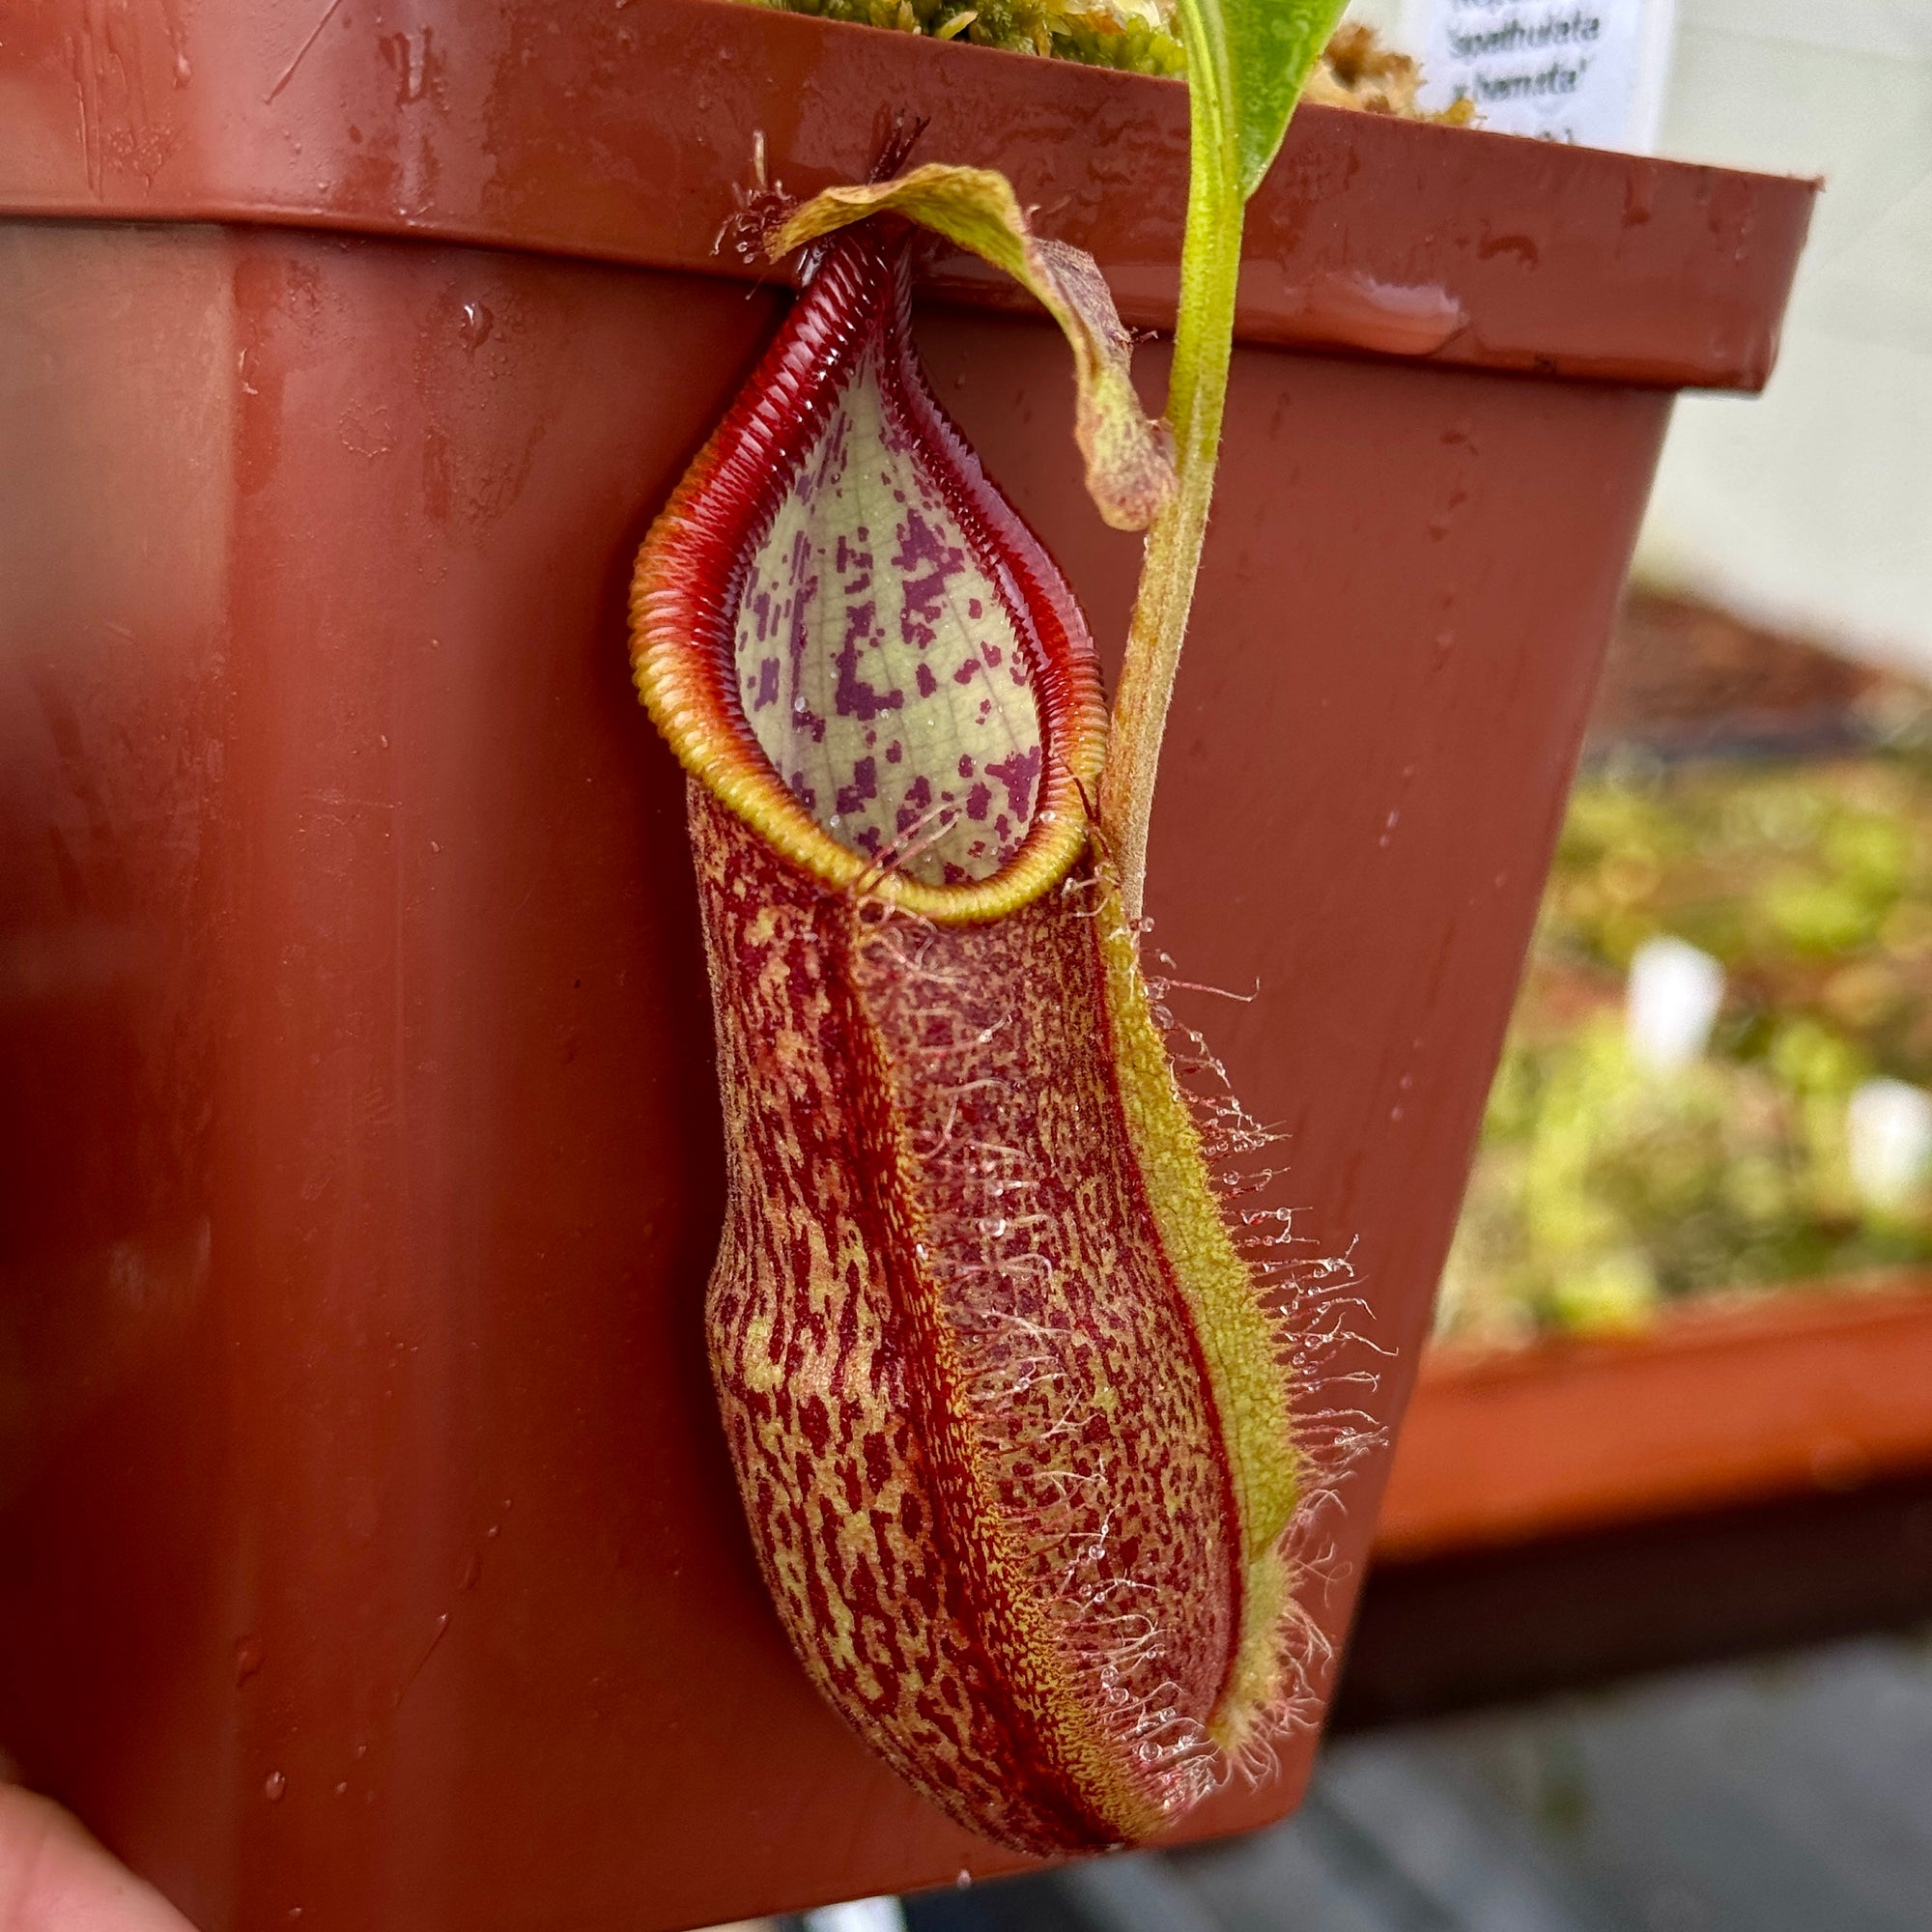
x=273, y=1785
x=249, y=1657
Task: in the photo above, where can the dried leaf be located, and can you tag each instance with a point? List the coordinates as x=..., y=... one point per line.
x=1129, y=461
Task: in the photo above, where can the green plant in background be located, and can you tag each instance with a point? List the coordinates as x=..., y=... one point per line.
x=1605, y=1188
x=1138, y=37
x=1130, y=34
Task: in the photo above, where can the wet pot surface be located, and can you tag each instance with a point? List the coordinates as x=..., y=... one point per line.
x=368, y=1554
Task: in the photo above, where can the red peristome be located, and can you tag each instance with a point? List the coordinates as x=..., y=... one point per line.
x=692, y=577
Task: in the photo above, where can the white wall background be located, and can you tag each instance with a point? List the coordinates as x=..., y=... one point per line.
x=1811, y=507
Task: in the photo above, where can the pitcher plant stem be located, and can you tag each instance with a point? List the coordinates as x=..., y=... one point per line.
x=1246, y=63
x=1197, y=398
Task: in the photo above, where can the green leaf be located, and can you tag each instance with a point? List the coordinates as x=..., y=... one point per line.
x=1129, y=459
x=1246, y=63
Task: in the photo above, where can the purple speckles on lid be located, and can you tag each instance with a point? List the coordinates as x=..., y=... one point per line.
x=917, y=802
x=918, y=643
x=1020, y=775
x=864, y=785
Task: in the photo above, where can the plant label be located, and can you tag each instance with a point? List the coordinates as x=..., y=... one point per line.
x=1591, y=72
x=1672, y=1002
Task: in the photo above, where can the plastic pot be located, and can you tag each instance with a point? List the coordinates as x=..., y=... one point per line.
x=368, y=1555
x=1745, y=1476
x=1808, y=1388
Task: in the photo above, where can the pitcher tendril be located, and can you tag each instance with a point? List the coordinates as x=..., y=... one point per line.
x=1246, y=63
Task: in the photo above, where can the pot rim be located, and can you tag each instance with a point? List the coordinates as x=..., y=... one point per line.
x=487, y=125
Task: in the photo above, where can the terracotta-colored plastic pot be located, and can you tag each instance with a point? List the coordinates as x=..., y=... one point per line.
x=1738, y=1478
x=1712, y=1407
x=368, y=1554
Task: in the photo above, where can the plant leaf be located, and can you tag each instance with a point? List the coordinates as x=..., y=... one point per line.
x=1129, y=461
x=1247, y=61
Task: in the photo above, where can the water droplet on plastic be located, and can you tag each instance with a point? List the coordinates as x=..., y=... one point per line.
x=249, y=1657
x=273, y=1785
x=473, y=1572
x=411, y=65
x=475, y=329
